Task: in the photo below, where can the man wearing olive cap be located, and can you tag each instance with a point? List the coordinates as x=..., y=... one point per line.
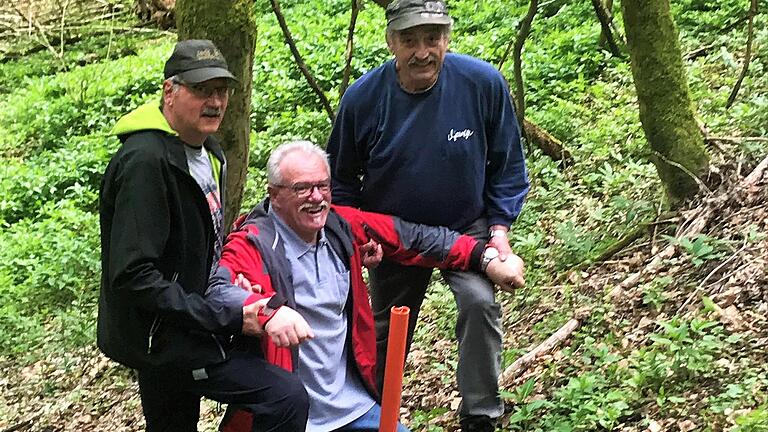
x=161, y=217
x=431, y=137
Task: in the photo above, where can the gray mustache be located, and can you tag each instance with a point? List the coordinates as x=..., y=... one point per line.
x=309, y=206
x=211, y=112
x=416, y=62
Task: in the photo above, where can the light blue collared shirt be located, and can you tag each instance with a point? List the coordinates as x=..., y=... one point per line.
x=321, y=285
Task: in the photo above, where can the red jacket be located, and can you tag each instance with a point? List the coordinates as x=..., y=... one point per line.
x=254, y=250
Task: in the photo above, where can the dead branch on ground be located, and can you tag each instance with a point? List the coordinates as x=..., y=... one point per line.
x=548, y=144
x=693, y=224
x=522, y=364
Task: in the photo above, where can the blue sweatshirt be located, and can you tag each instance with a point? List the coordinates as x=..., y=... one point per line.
x=443, y=157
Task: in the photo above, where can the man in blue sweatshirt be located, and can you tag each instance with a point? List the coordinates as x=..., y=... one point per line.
x=432, y=137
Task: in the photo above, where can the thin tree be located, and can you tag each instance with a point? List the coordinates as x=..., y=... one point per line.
x=231, y=26
x=606, y=21
x=666, y=112
x=747, y=54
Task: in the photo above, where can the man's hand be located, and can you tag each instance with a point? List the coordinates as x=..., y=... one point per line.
x=243, y=282
x=251, y=326
x=372, y=254
x=288, y=328
x=500, y=242
x=507, y=274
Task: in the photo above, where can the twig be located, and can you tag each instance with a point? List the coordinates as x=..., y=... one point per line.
x=682, y=168
x=61, y=32
x=521, y=365
x=735, y=139
x=350, y=48
x=299, y=62
x=747, y=54
x=43, y=38
x=700, y=288
x=698, y=52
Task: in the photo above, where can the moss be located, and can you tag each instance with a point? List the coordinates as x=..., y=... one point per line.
x=662, y=90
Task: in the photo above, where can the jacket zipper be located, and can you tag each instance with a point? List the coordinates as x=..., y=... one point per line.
x=221, y=348
x=157, y=321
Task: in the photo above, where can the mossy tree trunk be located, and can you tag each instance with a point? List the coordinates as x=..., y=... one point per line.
x=231, y=26
x=666, y=112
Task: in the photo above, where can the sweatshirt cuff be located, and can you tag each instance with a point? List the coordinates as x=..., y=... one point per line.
x=476, y=256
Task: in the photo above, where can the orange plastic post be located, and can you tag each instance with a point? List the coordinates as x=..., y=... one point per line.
x=393, y=369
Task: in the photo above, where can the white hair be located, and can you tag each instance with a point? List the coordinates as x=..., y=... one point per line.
x=274, y=176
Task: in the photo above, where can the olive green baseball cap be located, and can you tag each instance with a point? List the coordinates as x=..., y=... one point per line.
x=403, y=14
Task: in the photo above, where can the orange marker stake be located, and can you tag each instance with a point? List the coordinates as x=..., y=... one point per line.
x=393, y=371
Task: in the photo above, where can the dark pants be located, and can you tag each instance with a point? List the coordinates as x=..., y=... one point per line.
x=274, y=398
x=478, y=325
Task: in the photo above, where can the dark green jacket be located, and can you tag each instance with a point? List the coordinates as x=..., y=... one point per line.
x=157, y=242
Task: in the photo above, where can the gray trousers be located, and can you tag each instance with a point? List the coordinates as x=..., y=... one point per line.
x=478, y=325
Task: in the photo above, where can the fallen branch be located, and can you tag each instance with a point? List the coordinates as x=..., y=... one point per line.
x=698, y=52
x=695, y=226
x=520, y=365
x=548, y=144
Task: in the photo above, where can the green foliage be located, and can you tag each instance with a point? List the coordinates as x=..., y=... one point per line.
x=684, y=352
x=420, y=420
x=653, y=291
x=48, y=269
x=753, y=421
x=54, y=144
x=71, y=172
x=49, y=111
x=700, y=248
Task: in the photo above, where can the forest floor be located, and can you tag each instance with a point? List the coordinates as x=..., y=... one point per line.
x=84, y=391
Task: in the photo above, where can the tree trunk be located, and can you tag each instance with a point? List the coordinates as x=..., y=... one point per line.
x=666, y=112
x=230, y=25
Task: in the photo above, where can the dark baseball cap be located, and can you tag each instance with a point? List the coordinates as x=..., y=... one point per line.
x=403, y=14
x=197, y=60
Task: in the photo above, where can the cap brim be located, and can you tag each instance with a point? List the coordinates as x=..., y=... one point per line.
x=417, y=19
x=195, y=76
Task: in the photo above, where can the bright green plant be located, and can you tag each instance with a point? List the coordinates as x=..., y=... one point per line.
x=653, y=291
x=700, y=248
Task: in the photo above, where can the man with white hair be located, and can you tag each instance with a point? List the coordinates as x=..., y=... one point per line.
x=304, y=255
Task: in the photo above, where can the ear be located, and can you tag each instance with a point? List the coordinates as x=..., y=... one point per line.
x=272, y=193
x=390, y=42
x=167, y=92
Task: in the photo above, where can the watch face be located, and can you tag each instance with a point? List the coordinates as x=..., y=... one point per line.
x=490, y=253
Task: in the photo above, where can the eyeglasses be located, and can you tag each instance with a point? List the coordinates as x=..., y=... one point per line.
x=204, y=92
x=304, y=189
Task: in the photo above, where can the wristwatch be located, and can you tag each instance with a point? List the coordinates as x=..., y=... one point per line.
x=497, y=233
x=489, y=255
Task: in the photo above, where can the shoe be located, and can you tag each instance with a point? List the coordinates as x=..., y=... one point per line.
x=479, y=423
